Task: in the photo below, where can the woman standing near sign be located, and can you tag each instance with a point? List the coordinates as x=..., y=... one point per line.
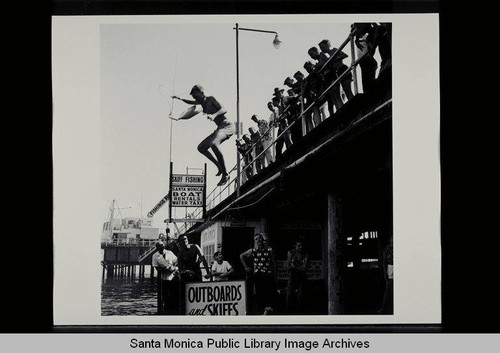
x=225, y=129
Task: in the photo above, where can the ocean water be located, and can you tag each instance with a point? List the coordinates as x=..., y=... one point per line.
x=128, y=296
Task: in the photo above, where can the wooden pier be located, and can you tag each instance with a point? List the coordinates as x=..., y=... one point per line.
x=122, y=258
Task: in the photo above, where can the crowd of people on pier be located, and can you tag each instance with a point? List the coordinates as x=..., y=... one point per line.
x=314, y=97
x=179, y=262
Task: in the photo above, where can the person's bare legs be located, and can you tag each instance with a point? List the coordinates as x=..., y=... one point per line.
x=337, y=100
x=346, y=86
x=316, y=117
x=216, y=139
x=203, y=149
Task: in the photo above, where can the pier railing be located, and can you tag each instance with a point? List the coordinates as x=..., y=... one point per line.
x=129, y=242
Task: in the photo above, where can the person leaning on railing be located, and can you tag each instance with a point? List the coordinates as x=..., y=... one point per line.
x=338, y=67
x=313, y=86
x=282, y=123
x=382, y=39
x=266, y=138
x=257, y=149
x=244, y=150
x=363, y=39
x=301, y=87
x=326, y=75
x=249, y=154
x=292, y=107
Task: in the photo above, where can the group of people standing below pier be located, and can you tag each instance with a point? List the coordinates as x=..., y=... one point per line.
x=261, y=276
x=263, y=295
x=175, y=270
x=314, y=93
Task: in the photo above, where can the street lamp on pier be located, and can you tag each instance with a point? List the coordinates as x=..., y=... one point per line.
x=276, y=43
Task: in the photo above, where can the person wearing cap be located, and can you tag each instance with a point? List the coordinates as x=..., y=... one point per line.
x=266, y=138
x=338, y=66
x=225, y=129
x=249, y=154
x=273, y=117
x=260, y=267
x=327, y=76
x=289, y=81
x=244, y=150
x=291, y=104
x=307, y=98
x=314, y=88
x=281, y=121
x=257, y=149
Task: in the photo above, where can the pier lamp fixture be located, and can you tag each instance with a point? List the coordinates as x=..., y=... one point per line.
x=276, y=43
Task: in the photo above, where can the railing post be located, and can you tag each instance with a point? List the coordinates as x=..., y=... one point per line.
x=238, y=162
x=303, y=118
x=354, y=68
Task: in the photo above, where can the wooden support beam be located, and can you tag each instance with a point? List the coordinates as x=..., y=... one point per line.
x=333, y=236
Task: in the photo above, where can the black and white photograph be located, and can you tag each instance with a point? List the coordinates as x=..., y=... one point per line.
x=246, y=166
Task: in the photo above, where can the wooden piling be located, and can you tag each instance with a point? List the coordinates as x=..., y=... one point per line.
x=333, y=236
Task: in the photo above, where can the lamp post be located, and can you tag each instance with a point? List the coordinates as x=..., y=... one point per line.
x=277, y=43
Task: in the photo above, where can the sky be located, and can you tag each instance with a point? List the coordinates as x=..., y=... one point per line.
x=141, y=65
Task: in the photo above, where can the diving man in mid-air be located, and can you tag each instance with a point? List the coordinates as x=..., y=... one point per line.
x=225, y=129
